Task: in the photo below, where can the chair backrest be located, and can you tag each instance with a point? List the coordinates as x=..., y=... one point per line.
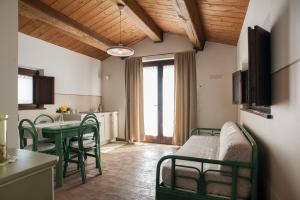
x=91, y=115
x=28, y=126
x=89, y=124
x=43, y=118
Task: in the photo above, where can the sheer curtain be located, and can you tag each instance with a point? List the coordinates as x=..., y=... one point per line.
x=134, y=100
x=185, y=96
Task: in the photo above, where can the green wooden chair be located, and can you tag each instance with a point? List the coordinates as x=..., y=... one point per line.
x=84, y=147
x=26, y=126
x=43, y=118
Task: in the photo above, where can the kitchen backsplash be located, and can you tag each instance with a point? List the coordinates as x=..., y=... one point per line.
x=76, y=102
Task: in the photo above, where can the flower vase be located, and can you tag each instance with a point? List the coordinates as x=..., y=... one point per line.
x=3, y=140
x=61, y=118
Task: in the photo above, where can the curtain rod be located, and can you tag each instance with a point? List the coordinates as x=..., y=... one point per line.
x=161, y=54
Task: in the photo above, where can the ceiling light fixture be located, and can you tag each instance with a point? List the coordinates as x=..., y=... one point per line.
x=120, y=50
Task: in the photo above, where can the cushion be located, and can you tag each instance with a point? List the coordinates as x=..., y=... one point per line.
x=86, y=136
x=234, y=146
x=86, y=144
x=41, y=146
x=46, y=140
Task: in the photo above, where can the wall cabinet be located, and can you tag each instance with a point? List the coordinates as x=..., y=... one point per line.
x=109, y=124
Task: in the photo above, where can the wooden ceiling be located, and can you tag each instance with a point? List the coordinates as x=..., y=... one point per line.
x=90, y=26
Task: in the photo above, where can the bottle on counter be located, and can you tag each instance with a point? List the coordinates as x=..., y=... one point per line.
x=100, y=109
x=3, y=139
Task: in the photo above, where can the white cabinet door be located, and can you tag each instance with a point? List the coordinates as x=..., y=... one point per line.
x=108, y=126
x=115, y=124
x=100, y=117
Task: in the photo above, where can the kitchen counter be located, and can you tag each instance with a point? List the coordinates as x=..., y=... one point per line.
x=96, y=112
x=30, y=177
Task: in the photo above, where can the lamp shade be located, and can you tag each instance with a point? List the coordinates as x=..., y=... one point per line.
x=120, y=51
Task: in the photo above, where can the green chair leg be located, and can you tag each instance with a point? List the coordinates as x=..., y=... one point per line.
x=82, y=167
x=66, y=162
x=97, y=156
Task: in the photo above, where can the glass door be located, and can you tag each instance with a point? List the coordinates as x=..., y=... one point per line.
x=150, y=77
x=159, y=101
x=168, y=103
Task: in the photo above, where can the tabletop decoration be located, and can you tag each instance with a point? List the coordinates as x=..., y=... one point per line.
x=3, y=139
x=11, y=159
x=61, y=110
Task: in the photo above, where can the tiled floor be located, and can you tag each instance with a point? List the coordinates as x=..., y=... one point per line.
x=128, y=174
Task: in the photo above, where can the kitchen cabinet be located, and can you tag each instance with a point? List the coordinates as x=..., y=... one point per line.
x=29, y=177
x=111, y=125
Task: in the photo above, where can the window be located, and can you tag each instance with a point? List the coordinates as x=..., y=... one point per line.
x=34, y=90
x=26, y=88
x=25, y=85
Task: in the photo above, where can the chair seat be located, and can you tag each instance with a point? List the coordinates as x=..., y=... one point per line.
x=42, y=146
x=87, y=136
x=86, y=144
x=46, y=140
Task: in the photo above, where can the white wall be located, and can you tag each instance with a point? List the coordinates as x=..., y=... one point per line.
x=214, y=68
x=278, y=138
x=9, y=66
x=77, y=77
x=74, y=73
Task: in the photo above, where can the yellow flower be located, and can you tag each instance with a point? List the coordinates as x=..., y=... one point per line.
x=63, y=108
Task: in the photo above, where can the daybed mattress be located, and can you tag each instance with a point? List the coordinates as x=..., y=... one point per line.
x=204, y=146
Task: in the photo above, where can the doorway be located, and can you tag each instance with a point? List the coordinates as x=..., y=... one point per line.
x=159, y=97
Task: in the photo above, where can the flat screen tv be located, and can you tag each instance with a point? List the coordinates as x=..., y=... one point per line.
x=259, y=71
x=240, y=87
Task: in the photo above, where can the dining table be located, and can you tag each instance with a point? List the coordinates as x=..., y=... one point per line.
x=58, y=131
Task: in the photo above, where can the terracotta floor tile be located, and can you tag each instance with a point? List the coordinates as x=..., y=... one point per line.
x=128, y=174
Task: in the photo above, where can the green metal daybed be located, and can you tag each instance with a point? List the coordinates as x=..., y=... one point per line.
x=214, y=164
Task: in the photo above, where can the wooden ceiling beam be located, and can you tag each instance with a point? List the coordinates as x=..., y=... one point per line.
x=142, y=20
x=187, y=11
x=36, y=10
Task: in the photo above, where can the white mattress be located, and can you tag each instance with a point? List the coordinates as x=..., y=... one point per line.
x=204, y=146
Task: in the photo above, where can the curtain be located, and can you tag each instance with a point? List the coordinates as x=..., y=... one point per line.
x=134, y=119
x=185, y=96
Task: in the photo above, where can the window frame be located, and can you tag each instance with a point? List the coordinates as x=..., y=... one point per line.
x=33, y=73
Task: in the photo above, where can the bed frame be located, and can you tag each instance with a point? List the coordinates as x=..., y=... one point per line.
x=171, y=192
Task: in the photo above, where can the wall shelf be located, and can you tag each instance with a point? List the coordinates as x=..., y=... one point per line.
x=258, y=112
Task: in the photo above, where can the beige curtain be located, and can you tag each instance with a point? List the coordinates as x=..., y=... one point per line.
x=185, y=96
x=134, y=100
